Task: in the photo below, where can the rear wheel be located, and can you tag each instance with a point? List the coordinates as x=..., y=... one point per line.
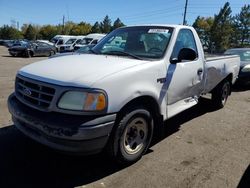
x=51, y=53
x=132, y=136
x=221, y=93
x=28, y=53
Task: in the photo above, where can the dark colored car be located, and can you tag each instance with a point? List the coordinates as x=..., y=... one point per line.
x=8, y=43
x=244, y=53
x=30, y=49
x=81, y=50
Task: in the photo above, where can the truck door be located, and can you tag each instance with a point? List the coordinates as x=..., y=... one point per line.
x=185, y=77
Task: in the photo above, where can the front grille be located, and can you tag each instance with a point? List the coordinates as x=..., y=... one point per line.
x=34, y=93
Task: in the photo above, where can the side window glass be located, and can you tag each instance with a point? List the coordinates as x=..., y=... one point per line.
x=60, y=42
x=185, y=39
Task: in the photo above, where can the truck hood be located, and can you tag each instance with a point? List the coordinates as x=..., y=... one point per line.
x=81, y=70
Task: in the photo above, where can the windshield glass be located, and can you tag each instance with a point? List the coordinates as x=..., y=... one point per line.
x=85, y=49
x=70, y=41
x=145, y=42
x=244, y=54
x=86, y=41
x=54, y=40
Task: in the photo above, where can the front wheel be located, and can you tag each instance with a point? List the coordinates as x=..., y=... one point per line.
x=221, y=93
x=132, y=136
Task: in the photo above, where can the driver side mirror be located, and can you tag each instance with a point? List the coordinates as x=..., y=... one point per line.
x=185, y=54
x=35, y=45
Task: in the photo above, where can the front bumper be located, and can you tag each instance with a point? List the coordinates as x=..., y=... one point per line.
x=70, y=133
x=16, y=53
x=244, y=78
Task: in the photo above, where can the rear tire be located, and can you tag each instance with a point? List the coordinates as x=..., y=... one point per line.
x=131, y=136
x=221, y=93
x=28, y=54
x=51, y=53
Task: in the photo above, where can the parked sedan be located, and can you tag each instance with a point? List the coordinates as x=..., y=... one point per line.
x=81, y=50
x=30, y=49
x=244, y=53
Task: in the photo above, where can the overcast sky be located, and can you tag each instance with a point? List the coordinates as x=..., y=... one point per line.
x=129, y=11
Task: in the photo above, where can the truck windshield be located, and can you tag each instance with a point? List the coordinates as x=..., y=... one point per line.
x=140, y=42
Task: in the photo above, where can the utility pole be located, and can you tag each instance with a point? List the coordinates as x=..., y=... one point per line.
x=185, y=12
x=63, y=25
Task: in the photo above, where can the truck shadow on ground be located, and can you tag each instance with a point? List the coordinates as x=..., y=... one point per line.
x=173, y=124
x=245, y=180
x=25, y=163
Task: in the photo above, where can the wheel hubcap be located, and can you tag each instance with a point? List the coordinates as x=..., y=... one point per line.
x=135, y=135
x=225, y=93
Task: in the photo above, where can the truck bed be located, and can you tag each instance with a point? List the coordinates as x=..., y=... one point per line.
x=218, y=68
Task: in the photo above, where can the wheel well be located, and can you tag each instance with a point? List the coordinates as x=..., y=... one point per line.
x=145, y=101
x=149, y=103
x=31, y=52
x=229, y=78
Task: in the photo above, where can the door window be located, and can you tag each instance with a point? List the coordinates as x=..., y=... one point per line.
x=185, y=39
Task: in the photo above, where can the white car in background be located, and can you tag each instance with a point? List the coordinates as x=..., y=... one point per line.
x=70, y=44
x=92, y=38
x=60, y=40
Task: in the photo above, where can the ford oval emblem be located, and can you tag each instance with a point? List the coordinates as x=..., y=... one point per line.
x=27, y=91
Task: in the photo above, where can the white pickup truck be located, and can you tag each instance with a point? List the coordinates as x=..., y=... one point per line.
x=116, y=96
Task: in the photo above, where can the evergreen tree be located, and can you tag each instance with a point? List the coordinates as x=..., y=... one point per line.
x=222, y=29
x=242, y=27
x=117, y=23
x=106, y=25
x=96, y=28
x=30, y=33
x=7, y=32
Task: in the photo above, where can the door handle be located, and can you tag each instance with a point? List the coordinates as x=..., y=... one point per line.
x=200, y=71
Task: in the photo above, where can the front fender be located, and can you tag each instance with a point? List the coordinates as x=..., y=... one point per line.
x=126, y=85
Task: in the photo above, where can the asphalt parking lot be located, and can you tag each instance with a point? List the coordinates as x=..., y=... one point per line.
x=202, y=147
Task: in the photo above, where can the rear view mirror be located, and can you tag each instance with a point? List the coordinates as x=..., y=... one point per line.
x=185, y=54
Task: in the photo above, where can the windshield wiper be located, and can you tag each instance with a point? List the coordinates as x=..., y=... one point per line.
x=114, y=52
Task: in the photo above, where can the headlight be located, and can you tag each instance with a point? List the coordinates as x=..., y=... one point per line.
x=84, y=101
x=246, y=68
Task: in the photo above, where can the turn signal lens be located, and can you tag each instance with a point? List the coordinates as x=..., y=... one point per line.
x=95, y=101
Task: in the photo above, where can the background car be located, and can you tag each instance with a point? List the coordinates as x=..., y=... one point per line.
x=29, y=49
x=82, y=50
x=244, y=53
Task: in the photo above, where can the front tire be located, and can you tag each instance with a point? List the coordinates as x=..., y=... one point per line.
x=132, y=136
x=221, y=93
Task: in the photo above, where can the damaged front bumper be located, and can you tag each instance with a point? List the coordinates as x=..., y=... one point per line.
x=70, y=133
